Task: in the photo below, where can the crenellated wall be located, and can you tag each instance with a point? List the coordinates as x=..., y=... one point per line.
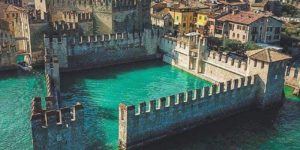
x=217, y=64
x=102, y=50
x=168, y=115
x=57, y=128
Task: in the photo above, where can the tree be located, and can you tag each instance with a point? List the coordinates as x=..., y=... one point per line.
x=289, y=9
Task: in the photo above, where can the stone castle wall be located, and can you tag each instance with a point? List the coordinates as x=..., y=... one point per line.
x=156, y=119
x=57, y=129
x=101, y=50
x=218, y=64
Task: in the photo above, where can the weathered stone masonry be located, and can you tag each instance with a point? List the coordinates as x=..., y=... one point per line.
x=101, y=50
x=254, y=81
x=176, y=113
x=56, y=129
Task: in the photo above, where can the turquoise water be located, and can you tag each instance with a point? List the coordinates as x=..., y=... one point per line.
x=101, y=91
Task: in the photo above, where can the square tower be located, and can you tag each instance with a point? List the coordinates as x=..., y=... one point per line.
x=270, y=65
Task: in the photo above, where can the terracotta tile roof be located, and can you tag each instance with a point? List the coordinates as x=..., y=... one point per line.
x=159, y=6
x=267, y=55
x=243, y=17
x=161, y=14
x=7, y=8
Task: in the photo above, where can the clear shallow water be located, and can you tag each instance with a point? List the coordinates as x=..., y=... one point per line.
x=102, y=90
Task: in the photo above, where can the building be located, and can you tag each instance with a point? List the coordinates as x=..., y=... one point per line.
x=213, y=24
x=18, y=24
x=19, y=3
x=37, y=10
x=273, y=6
x=248, y=26
x=183, y=17
x=7, y=47
x=202, y=18
x=162, y=19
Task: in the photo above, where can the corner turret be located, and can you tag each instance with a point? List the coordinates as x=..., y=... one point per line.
x=270, y=65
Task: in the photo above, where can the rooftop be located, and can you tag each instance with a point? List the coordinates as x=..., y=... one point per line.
x=267, y=55
x=161, y=14
x=243, y=17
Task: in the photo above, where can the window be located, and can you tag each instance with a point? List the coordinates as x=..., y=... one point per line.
x=239, y=27
x=269, y=38
x=254, y=30
x=276, y=37
x=231, y=26
x=238, y=35
x=184, y=25
x=277, y=30
x=200, y=17
x=183, y=18
x=205, y=18
x=244, y=27
x=269, y=29
x=233, y=35
x=244, y=37
x=177, y=17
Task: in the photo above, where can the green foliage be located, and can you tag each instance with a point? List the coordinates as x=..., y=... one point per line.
x=251, y=46
x=289, y=10
x=231, y=45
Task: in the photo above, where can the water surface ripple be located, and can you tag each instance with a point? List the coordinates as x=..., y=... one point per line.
x=101, y=91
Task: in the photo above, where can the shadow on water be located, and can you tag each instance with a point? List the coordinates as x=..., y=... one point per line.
x=248, y=130
x=93, y=114
x=112, y=72
x=13, y=74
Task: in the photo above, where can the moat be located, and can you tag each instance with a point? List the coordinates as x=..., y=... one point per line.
x=101, y=91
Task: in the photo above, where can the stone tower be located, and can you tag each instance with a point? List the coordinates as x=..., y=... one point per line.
x=270, y=66
x=122, y=16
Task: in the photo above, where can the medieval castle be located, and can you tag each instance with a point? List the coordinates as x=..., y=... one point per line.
x=113, y=32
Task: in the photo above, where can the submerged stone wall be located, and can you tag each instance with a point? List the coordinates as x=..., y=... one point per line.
x=169, y=115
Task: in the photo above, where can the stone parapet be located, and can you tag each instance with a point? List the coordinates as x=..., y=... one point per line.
x=57, y=128
x=168, y=115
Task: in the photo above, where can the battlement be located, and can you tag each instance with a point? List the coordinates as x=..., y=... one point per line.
x=102, y=4
x=75, y=40
x=189, y=96
x=63, y=26
x=159, y=118
x=217, y=57
x=60, y=128
x=49, y=117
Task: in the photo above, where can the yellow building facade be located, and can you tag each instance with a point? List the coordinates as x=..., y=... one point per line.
x=183, y=19
x=202, y=18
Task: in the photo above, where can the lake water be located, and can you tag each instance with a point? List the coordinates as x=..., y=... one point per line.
x=101, y=91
